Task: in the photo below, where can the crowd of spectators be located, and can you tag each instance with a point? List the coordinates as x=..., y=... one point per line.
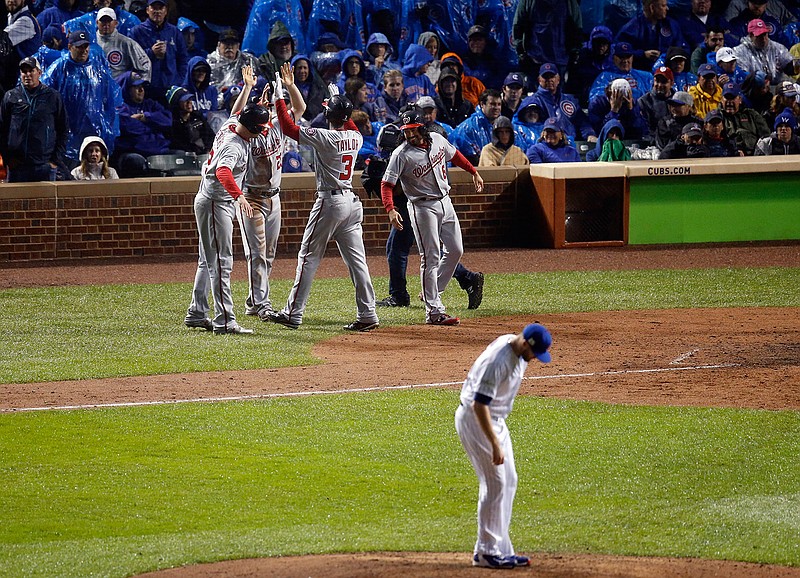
x=90, y=86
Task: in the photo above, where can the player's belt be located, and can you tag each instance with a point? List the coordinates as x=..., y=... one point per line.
x=261, y=192
x=332, y=192
x=461, y=404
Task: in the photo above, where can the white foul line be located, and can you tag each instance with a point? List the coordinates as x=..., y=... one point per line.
x=351, y=390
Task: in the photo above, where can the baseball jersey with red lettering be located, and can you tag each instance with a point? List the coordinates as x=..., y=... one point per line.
x=335, y=153
x=229, y=150
x=266, y=157
x=423, y=171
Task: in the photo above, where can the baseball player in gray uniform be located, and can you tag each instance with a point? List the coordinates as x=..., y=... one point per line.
x=215, y=210
x=487, y=397
x=337, y=212
x=262, y=187
x=421, y=165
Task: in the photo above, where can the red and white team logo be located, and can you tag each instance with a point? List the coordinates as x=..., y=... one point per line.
x=568, y=108
x=114, y=57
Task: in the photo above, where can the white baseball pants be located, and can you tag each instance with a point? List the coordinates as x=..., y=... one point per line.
x=497, y=484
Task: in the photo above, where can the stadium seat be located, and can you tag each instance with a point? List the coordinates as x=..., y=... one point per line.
x=583, y=147
x=174, y=165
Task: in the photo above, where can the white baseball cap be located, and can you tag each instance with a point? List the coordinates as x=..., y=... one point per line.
x=106, y=12
x=725, y=54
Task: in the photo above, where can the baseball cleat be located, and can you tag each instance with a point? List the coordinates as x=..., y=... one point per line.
x=251, y=311
x=442, y=319
x=280, y=318
x=361, y=326
x=199, y=324
x=498, y=562
x=390, y=301
x=264, y=312
x=235, y=329
x=475, y=292
x=522, y=560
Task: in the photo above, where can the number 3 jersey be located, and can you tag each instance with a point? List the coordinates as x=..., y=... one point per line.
x=335, y=153
x=423, y=171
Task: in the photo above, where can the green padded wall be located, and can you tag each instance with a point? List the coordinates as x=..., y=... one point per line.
x=714, y=208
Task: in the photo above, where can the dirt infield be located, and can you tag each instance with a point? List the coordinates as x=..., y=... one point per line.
x=746, y=358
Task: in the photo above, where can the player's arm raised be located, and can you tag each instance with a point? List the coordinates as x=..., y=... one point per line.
x=249, y=79
x=298, y=102
x=288, y=126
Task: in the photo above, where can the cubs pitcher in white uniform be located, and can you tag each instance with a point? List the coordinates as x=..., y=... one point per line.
x=215, y=210
x=487, y=397
x=262, y=187
x=420, y=164
x=337, y=212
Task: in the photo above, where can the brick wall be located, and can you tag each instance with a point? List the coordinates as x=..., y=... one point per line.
x=151, y=218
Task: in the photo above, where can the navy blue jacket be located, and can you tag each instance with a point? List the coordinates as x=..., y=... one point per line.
x=542, y=152
x=33, y=126
x=147, y=137
x=170, y=70
x=567, y=110
x=637, y=31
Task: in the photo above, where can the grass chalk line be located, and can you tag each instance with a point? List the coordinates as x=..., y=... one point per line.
x=351, y=390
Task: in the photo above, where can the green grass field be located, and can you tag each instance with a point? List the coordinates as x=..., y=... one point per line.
x=118, y=491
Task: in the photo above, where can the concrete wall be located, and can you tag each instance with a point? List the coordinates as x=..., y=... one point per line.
x=154, y=217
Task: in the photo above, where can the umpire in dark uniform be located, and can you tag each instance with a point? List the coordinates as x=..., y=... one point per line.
x=33, y=128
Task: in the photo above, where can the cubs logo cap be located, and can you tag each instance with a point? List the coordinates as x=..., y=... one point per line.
x=79, y=38
x=623, y=49
x=548, y=68
x=756, y=27
x=551, y=124
x=706, y=70
x=540, y=340
x=513, y=78
x=731, y=90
